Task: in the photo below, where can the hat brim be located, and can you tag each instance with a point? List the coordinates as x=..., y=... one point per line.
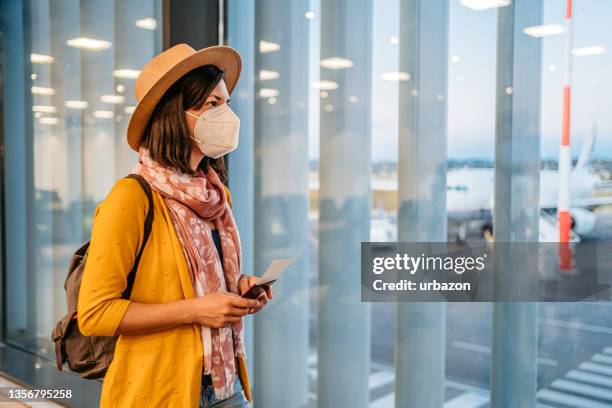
x=225, y=58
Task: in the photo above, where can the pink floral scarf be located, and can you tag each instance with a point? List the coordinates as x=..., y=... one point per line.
x=193, y=200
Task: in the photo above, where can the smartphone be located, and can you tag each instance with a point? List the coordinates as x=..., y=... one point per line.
x=256, y=290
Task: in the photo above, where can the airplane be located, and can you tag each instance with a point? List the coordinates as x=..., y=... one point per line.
x=470, y=198
x=469, y=201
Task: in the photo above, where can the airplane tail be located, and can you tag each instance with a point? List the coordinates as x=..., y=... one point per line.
x=587, y=149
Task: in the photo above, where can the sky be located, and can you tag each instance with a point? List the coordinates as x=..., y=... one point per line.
x=471, y=80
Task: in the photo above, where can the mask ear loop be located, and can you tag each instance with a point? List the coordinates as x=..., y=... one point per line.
x=193, y=115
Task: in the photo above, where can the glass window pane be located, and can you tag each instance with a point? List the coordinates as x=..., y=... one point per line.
x=82, y=61
x=386, y=146
x=463, y=121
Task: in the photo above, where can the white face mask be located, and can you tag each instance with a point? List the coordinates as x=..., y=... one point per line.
x=216, y=131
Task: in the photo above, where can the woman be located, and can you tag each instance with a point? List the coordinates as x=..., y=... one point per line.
x=180, y=333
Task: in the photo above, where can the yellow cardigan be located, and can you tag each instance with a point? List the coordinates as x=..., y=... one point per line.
x=162, y=369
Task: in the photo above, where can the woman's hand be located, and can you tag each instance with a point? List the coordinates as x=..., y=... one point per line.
x=221, y=309
x=246, y=282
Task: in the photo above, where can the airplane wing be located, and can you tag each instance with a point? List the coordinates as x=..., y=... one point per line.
x=603, y=185
x=592, y=201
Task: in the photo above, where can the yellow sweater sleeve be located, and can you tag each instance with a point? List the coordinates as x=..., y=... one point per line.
x=118, y=228
x=228, y=194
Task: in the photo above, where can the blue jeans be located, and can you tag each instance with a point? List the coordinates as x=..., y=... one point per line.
x=209, y=400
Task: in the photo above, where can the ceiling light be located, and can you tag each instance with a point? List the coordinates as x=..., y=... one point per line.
x=89, y=44
x=103, y=114
x=129, y=109
x=543, y=30
x=114, y=99
x=266, y=46
x=395, y=76
x=48, y=121
x=325, y=85
x=309, y=15
x=588, y=51
x=485, y=4
x=336, y=63
x=76, y=104
x=41, y=90
x=41, y=59
x=265, y=75
x=148, y=23
x=126, y=73
x=268, y=92
x=44, y=108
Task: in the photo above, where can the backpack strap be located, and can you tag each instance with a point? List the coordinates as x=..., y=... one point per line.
x=147, y=231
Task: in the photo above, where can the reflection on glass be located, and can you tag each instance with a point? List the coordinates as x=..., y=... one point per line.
x=343, y=321
x=78, y=123
x=468, y=162
x=328, y=116
x=89, y=44
x=280, y=210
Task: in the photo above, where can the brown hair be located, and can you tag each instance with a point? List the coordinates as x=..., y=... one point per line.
x=167, y=135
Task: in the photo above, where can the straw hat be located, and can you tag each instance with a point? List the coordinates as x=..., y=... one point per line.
x=159, y=74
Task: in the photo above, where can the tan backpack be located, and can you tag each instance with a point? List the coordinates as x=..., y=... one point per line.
x=90, y=356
